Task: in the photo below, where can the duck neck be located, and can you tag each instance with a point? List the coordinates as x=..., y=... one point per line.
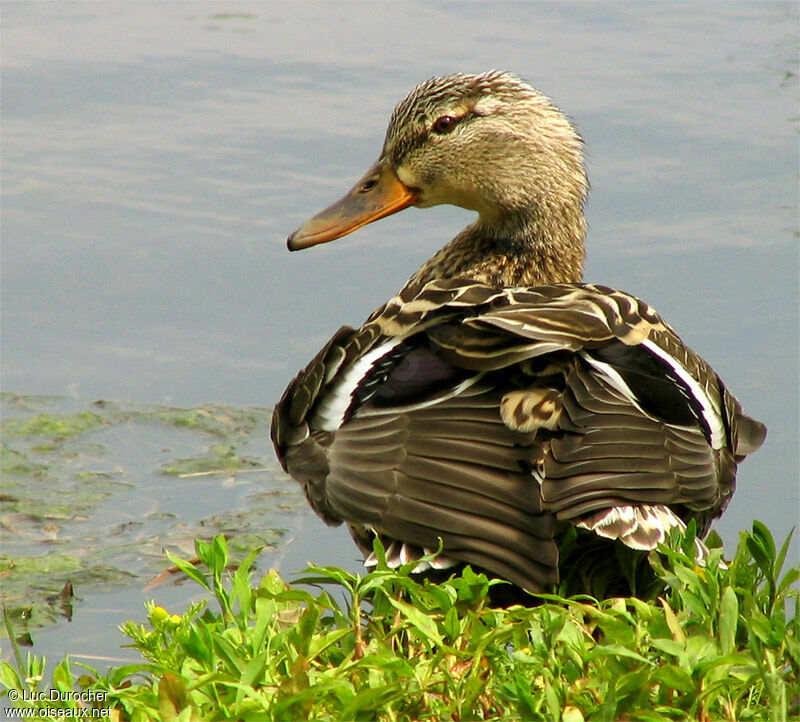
x=526, y=251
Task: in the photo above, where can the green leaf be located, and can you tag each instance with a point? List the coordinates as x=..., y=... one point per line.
x=328, y=575
x=670, y=646
x=172, y=696
x=760, y=626
x=764, y=537
x=62, y=678
x=553, y=702
x=420, y=621
x=189, y=569
x=228, y=653
x=526, y=706
x=218, y=557
x=672, y=622
x=254, y=670
x=319, y=645
x=9, y=677
x=788, y=580
x=728, y=617
x=617, y=650
x=761, y=556
x=370, y=699
x=305, y=628
x=676, y=678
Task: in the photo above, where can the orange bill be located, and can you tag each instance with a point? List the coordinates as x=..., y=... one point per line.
x=379, y=193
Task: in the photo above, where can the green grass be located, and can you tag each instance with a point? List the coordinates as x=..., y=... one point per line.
x=721, y=643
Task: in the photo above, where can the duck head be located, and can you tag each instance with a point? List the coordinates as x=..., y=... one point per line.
x=489, y=143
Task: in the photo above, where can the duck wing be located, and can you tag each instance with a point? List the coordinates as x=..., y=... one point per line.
x=488, y=418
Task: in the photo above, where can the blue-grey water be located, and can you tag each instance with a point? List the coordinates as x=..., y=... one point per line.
x=156, y=155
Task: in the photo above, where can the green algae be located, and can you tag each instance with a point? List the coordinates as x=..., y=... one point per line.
x=52, y=425
x=92, y=493
x=219, y=458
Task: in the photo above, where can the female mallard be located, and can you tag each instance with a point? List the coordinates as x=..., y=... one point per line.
x=496, y=401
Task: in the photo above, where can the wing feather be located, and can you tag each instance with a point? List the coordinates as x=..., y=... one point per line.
x=610, y=423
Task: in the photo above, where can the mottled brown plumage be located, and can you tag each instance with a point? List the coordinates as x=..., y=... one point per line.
x=496, y=402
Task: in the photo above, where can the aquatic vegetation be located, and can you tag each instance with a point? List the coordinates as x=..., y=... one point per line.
x=721, y=642
x=92, y=493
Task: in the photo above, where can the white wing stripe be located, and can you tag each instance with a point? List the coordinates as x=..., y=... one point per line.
x=613, y=377
x=334, y=404
x=712, y=414
x=710, y=411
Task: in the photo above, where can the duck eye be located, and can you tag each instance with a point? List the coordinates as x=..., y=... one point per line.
x=444, y=124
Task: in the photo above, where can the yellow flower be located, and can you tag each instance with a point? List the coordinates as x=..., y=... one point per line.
x=158, y=615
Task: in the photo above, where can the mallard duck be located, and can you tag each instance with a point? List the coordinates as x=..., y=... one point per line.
x=496, y=402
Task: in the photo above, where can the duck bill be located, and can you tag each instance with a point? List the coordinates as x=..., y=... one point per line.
x=378, y=194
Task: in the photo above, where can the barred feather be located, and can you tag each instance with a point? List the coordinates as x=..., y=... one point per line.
x=496, y=403
x=457, y=466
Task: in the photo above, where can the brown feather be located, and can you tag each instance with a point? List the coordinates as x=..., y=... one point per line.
x=496, y=399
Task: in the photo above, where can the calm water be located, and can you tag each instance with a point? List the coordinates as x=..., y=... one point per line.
x=155, y=156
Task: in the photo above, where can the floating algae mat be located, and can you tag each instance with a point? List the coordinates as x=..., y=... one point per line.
x=92, y=493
